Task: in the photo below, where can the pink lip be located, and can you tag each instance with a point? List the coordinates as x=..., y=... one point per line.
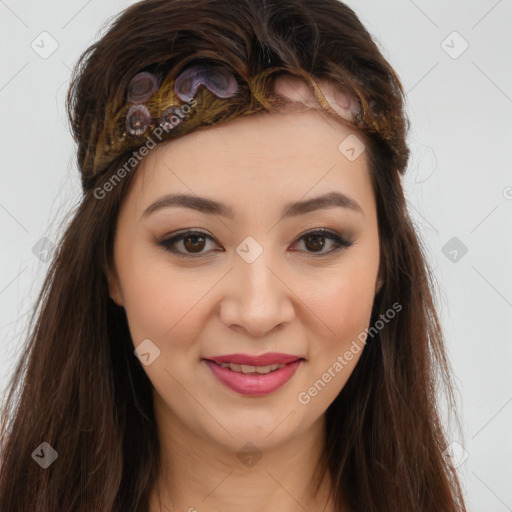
x=262, y=360
x=254, y=385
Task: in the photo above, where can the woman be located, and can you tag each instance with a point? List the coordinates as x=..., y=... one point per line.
x=196, y=346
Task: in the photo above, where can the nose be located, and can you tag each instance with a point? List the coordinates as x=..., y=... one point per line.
x=257, y=299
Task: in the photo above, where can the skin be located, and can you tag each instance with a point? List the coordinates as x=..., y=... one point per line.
x=290, y=299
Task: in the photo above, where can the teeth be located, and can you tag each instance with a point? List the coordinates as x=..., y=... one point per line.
x=244, y=368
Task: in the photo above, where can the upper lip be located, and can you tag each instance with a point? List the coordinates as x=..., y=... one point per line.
x=261, y=360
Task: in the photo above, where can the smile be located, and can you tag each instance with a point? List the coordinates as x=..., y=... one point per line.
x=252, y=380
x=248, y=369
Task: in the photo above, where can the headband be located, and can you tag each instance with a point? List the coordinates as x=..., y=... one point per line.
x=153, y=109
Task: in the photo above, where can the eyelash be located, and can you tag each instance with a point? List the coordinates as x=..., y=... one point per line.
x=340, y=242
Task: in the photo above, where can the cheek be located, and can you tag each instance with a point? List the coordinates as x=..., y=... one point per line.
x=341, y=303
x=343, y=312
x=158, y=303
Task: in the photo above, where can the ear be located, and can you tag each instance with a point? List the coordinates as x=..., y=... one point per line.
x=378, y=285
x=114, y=290
x=380, y=281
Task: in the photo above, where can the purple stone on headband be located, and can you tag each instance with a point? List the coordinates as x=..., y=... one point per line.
x=141, y=87
x=218, y=80
x=170, y=118
x=138, y=119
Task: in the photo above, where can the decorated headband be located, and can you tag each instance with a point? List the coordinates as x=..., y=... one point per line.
x=143, y=85
x=153, y=109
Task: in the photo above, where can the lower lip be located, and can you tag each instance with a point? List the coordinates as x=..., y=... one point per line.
x=254, y=385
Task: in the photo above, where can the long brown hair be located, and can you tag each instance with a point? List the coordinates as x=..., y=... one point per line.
x=78, y=385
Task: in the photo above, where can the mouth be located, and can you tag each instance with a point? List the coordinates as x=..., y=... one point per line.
x=252, y=379
x=252, y=370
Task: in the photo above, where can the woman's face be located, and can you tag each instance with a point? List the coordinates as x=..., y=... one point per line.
x=256, y=280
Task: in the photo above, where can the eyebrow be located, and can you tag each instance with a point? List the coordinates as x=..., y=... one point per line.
x=294, y=209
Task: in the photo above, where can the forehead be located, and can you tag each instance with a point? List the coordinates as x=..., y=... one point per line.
x=258, y=160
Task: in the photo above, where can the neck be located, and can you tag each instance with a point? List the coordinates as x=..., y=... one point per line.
x=199, y=475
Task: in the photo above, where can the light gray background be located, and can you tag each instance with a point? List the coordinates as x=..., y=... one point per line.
x=459, y=184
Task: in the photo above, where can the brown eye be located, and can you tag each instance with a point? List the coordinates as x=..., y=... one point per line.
x=188, y=243
x=314, y=241
x=194, y=243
